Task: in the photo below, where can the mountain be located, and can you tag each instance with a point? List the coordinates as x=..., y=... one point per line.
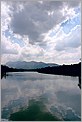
x=29, y=65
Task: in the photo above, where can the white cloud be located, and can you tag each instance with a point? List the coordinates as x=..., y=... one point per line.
x=5, y=19
x=9, y=50
x=7, y=47
x=71, y=40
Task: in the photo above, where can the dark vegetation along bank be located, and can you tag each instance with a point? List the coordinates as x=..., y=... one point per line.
x=68, y=70
x=5, y=69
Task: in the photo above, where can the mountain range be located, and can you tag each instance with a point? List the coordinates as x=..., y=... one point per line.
x=29, y=65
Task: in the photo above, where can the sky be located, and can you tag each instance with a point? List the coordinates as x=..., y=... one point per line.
x=47, y=31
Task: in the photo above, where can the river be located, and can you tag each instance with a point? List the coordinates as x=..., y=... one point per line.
x=35, y=96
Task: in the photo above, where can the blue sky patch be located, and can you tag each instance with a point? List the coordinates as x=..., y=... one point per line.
x=14, y=39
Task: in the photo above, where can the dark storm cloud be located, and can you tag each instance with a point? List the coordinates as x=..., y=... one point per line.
x=33, y=20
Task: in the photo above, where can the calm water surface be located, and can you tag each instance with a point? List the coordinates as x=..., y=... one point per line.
x=40, y=96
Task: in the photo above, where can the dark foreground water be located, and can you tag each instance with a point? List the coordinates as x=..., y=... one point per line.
x=31, y=96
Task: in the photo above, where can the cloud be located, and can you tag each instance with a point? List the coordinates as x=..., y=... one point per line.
x=34, y=18
x=73, y=3
x=7, y=47
x=34, y=31
x=71, y=40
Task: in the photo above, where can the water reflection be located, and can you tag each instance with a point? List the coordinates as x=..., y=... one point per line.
x=59, y=94
x=36, y=111
x=79, y=84
x=32, y=78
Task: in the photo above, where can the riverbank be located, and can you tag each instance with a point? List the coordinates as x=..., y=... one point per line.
x=68, y=70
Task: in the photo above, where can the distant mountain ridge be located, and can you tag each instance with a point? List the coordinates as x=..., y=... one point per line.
x=29, y=65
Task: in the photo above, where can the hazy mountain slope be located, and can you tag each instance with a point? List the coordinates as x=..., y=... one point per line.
x=29, y=65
